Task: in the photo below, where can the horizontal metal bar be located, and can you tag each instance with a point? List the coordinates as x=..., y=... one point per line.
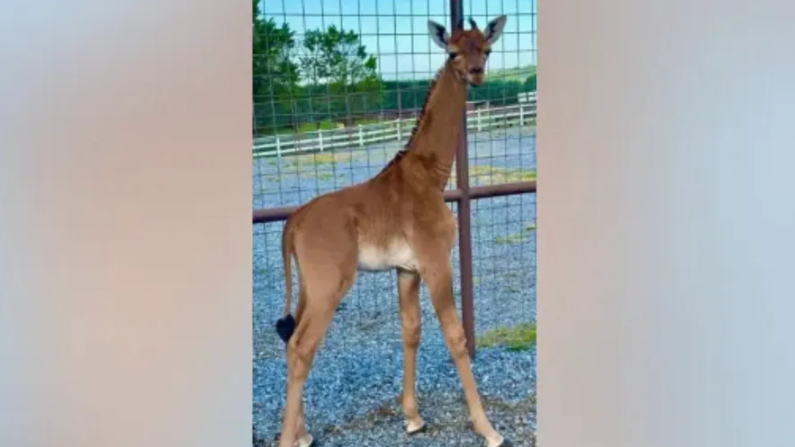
x=265, y=215
x=502, y=189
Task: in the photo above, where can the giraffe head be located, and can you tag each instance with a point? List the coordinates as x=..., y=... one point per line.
x=468, y=49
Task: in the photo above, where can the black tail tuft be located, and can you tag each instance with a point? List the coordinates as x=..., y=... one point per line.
x=285, y=327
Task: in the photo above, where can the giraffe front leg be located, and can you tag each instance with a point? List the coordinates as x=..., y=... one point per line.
x=437, y=276
x=408, y=292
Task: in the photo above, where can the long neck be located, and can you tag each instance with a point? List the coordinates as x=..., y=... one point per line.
x=436, y=140
x=436, y=132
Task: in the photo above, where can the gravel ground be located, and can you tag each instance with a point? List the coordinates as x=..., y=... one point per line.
x=350, y=396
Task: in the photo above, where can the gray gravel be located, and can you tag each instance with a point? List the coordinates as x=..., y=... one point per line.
x=350, y=396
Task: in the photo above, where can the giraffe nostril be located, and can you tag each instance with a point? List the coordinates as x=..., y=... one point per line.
x=476, y=70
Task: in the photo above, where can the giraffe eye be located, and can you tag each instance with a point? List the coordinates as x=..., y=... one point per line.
x=453, y=55
x=488, y=53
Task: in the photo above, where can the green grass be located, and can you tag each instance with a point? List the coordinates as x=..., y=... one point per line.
x=318, y=125
x=305, y=175
x=367, y=122
x=318, y=159
x=302, y=128
x=509, y=239
x=512, y=74
x=531, y=226
x=313, y=127
x=311, y=160
x=520, y=337
x=495, y=175
x=479, y=174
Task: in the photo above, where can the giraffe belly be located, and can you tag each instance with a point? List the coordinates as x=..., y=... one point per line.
x=396, y=255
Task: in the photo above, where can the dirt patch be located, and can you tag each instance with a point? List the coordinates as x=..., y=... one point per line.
x=386, y=413
x=445, y=414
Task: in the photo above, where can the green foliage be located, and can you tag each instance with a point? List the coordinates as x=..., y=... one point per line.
x=530, y=84
x=497, y=92
x=404, y=94
x=335, y=59
x=329, y=77
x=411, y=94
x=275, y=73
x=512, y=74
x=515, y=338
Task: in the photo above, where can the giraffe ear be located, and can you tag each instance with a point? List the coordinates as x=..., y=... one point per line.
x=438, y=34
x=494, y=29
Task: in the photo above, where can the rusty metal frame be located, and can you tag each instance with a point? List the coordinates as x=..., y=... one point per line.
x=278, y=214
x=462, y=196
x=464, y=209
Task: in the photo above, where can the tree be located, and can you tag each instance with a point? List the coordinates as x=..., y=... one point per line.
x=336, y=58
x=530, y=83
x=275, y=73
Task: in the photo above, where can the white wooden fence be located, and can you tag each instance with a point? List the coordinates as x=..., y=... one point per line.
x=398, y=130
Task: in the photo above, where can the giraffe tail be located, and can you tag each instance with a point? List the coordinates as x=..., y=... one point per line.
x=285, y=326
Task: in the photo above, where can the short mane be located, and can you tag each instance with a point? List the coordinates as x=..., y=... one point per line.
x=420, y=120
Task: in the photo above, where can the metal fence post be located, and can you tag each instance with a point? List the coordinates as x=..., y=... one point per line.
x=464, y=223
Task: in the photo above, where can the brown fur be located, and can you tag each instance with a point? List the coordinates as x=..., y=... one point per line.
x=421, y=119
x=396, y=220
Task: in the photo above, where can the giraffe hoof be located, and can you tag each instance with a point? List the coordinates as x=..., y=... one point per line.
x=421, y=429
x=501, y=442
x=414, y=427
x=308, y=441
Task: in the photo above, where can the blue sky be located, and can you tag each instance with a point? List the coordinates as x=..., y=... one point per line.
x=396, y=30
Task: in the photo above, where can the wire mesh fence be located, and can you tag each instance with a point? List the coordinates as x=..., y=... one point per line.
x=337, y=85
